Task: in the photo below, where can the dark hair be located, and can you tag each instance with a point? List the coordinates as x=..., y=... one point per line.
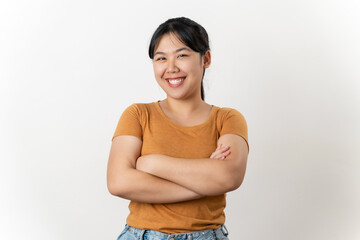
x=189, y=32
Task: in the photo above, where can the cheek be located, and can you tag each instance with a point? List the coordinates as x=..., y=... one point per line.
x=194, y=67
x=158, y=71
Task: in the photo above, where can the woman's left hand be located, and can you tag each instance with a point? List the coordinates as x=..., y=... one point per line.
x=221, y=152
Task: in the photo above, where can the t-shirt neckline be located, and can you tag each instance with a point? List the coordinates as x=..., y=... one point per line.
x=212, y=111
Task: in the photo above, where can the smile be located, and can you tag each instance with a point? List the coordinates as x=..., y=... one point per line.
x=175, y=82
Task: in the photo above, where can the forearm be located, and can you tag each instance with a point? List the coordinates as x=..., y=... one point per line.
x=205, y=176
x=143, y=187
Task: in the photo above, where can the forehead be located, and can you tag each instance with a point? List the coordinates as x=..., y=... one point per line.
x=169, y=42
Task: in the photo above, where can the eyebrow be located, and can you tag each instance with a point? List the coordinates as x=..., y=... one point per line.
x=178, y=50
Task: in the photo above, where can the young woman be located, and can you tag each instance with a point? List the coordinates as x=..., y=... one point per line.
x=176, y=158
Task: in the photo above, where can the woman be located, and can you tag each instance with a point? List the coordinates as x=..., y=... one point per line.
x=175, y=159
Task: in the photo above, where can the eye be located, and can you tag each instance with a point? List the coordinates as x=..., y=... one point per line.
x=160, y=59
x=182, y=55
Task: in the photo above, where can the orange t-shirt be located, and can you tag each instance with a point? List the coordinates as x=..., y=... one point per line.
x=162, y=136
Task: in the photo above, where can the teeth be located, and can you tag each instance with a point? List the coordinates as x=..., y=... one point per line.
x=176, y=81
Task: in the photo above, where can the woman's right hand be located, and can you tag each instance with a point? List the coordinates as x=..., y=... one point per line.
x=221, y=152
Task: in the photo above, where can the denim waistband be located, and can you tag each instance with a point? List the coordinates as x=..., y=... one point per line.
x=204, y=234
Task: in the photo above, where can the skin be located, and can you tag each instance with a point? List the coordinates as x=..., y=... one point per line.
x=158, y=178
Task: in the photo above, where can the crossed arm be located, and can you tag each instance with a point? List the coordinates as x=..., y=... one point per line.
x=157, y=178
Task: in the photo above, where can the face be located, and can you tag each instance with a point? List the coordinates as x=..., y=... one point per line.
x=178, y=69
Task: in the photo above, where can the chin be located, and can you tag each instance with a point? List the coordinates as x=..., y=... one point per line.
x=176, y=97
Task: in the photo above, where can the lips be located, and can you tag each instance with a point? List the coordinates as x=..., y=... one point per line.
x=175, y=82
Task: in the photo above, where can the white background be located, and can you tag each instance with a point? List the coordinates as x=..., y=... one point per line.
x=69, y=68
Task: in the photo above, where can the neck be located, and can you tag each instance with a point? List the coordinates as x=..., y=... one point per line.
x=184, y=107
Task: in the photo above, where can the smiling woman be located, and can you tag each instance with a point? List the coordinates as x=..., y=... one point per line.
x=175, y=159
x=177, y=65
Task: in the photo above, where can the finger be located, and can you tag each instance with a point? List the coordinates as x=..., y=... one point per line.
x=218, y=151
x=224, y=155
x=216, y=155
x=221, y=155
x=227, y=153
x=224, y=149
x=221, y=150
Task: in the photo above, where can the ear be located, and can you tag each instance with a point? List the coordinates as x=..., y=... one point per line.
x=207, y=59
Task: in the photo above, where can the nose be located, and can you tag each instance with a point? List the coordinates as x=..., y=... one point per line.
x=171, y=67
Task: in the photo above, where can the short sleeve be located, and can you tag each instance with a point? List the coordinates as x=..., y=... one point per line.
x=234, y=122
x=129, y=123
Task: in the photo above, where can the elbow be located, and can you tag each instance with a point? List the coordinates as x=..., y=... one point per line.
x=119, y=183
x=233, y=183
x=113, y=190
x=233, y=179
x=116, y=188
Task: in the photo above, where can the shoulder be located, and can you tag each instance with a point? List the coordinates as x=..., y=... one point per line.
x=139, y=108
x=133, y=119
x=230, y=120
x=224, y=113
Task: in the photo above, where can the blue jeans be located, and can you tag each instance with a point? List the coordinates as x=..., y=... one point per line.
x=130, y=233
